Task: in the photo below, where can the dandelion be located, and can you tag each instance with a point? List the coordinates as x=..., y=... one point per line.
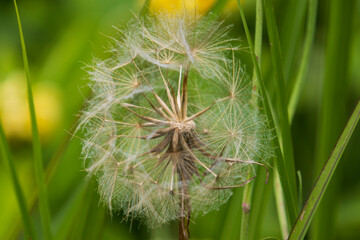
x=169, y=130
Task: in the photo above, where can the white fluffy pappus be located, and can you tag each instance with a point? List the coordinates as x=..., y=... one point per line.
x=169, y=130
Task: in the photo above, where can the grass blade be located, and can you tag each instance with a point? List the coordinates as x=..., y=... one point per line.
x=257, y=48
x=283, y=127
x=333, y=106
x=300, y=78
x=49, y=172
x=266, y=101
x=279, y=198
x=26, y=219
x=260, y=200
x=300, y=228
x=72, y=210
x=300, y=187
x=246, y=210
x=290, y=37
x=230, y=231
x=39, y=170
x=249, y=188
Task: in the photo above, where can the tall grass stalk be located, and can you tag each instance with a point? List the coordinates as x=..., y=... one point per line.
x=49, y=172
x=333, y=105
x=300, y=227
x=290, y=36
x=230, y=231
x=25, y=216
x=260, y=203
x=71, y=210
x=39, y=171
x=248, y=189
x=280, y=205
x=304, y=65
x=283, y=127
x=246, y=210
x=289, y=189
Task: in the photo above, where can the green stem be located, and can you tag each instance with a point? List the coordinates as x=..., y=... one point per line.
x=257, y=49
x=291, y=36
x=261, y=195
x=282, y=120
x=26, y=219
x=300, y=78
x=289, y=197
x=246, y=208
x=39, y=171
x=333, y=105
x=230, y=231
x=49, y=171
x=72, y=211
x=279, y=198
x=300, y=228
x=248, y=189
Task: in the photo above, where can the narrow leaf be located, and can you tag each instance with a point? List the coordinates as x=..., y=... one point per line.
x=334, y=93
x=28, y=226
x=260, y=203
x=290, y=37
x=258, y=48
x=249, y=188
x=300, y=78
x=301, y=226
x=39, y=171
x=283, y=126
x=266, y=101
x=71, y=210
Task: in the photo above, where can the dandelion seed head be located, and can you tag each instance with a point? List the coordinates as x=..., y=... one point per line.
x=169, y=129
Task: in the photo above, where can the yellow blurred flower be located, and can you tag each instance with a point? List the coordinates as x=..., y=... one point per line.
x=174, y=6
x=14, y=111
x=201, y=6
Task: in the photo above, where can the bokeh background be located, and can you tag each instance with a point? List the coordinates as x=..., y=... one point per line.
x=62, y=36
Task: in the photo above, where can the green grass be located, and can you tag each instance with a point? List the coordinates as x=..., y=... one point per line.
x=25, y=215
x=304, y=65
x=247, y=201
x=336, y=67
x=283, y=166
x=311, y=205
x=281, y=117
x=303, y=62
x=37, y=152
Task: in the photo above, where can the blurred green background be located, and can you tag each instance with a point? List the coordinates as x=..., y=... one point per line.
x=62, y=36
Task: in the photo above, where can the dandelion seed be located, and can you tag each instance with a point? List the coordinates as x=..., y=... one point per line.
x=170, y=132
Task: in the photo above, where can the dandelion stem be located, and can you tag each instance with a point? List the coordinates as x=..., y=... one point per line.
x=185, y=206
